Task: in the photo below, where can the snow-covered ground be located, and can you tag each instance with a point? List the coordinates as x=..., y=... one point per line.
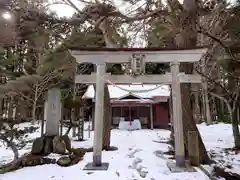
x=218, y=140
x=134, y=158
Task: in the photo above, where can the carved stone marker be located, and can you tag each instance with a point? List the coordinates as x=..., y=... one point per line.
x=53, y=112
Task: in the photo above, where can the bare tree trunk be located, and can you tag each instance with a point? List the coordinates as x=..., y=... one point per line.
x=1, y=107
x=220, y=104
x=231, y=86
x=235, y=129
x=238, y=115
x=73, y=117
x=34, y=107
x=196, y=105
x=190, y=125
x=214, y=109
x=196, y=112
x=107, y=119
x=206, y=98
x=110, y=36
x=171, y=121
x=11, y=145
x=18, y=110
x=10, y=108
x=188, y=39
x=222, y=109
x=208, y=113
x=203, y=106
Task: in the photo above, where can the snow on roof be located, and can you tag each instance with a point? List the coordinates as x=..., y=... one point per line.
x=117, y=91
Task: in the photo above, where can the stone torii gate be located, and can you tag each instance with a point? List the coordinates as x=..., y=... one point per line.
x=137, y=57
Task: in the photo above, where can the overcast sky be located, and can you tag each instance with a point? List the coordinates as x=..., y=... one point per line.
x=64, y=10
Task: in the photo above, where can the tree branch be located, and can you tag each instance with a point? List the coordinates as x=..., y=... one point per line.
x=145, y=16
x=11, y=145
x=227, y=49
x=201, y=30
x=26, y=97
x=215, y=82
x=236, y=101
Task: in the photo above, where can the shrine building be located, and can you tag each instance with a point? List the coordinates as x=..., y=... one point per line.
x=148, y=103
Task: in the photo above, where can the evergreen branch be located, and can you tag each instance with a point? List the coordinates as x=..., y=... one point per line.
x=44, y=86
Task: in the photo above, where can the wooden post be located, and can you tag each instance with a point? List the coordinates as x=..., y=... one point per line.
x=89, y=126
x=61, y=127
x=193, y=148
x=98, y=119
x=121, y=111
x=42, y=127
x=238, y=115
x=151, y=116
x=130, y=116
x=73, y=112
x=93, y=112
x=61, y=120
x=81, y=124
x=170, y=111
x=177, y=116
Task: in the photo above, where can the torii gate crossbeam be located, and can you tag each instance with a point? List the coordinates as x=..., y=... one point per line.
x=156, y=55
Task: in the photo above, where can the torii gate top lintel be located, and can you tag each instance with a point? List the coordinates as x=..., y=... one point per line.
x=121, y=55
x=147, y=49
x=137, y=57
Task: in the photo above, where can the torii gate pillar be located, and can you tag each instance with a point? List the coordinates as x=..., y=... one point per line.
x=116, y=56
x=99, y=108
x=98, y=123
x=177, y=115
